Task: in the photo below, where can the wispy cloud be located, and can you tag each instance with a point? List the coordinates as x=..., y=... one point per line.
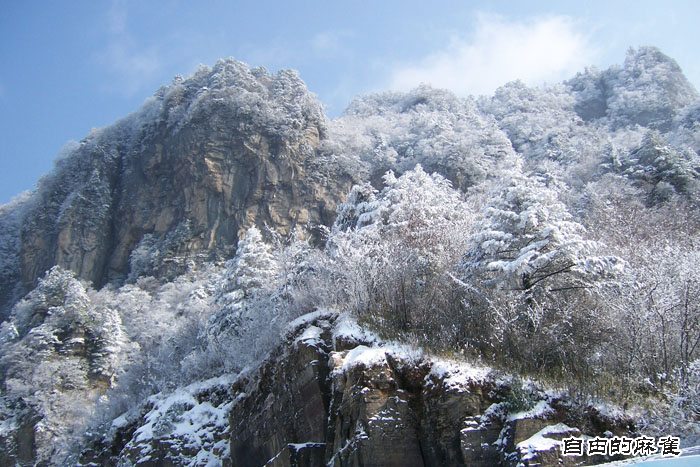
x=132, y=65
x=279, y=52
x=538, y=50
x=116, y=17
x=273, y=54
x=330, y=42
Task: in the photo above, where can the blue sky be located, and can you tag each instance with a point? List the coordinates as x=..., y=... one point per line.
x=70, y=66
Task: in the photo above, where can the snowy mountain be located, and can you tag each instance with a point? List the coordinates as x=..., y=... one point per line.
x=227, y=277
x=182, y=177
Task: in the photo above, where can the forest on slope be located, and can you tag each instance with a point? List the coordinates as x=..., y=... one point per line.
x=548, y=232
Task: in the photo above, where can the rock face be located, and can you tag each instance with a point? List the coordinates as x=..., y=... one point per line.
x=231, y=146
x=176, y=183
x=329, y=397
x=202, y=160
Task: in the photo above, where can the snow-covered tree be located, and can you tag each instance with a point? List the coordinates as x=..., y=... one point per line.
x=662, y=169
x=57, y=356
x=161, y=255
x=276, y=104
x=358, y=210
x=685, y=403
x=396, y=255
x=249, y=311
x=432, y=127
x=527, y=241
x=534, y=118
x=657, y=313
x=252, y=268
x=648, y=90
x=161, y=323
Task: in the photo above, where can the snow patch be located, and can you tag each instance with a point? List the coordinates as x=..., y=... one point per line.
x=541, y=441
x=309, y=444
x=310, y=336
x=456, y=375
x=121, y=421
x=187, y=422
x=372, y=356
x=610, y=410
x=347, y=328
x=363, y=355
x=308, y=318
x=540, y=410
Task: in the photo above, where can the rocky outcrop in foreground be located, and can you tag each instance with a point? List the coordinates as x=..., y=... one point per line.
x=333, y=395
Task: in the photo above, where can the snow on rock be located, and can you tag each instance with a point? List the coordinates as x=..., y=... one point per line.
x=190, y=424
x=542, y=441
x=368, y=349
x=360, y=355
x=348, y=330
x=121, y=421
x=610, y=410
x=540, y=410
x=358, y=346
x=374, y=355
x=456, y=375
x=303, y=321
x=310, y=336
x=299, y=446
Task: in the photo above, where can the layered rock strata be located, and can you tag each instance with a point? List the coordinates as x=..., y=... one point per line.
x=183, y=177
x=331, y=397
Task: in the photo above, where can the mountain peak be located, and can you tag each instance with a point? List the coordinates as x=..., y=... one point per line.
x=206, y=157
x=650, y=90
x=539, y=229
x=649, y=57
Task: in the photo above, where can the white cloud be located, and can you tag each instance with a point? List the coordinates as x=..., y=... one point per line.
x=541, y=49
x=330, y=43
x=283, y=53
x=132, y=68
x=132, y=65
x=116, y=17
x=323, y=41
x=272, y=55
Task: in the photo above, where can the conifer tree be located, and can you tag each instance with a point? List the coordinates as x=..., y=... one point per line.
x=527, y=241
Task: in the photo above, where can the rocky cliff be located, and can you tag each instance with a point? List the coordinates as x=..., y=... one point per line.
x=332, y=394
x=203, y=159
x=169, y=190
x=178, y=181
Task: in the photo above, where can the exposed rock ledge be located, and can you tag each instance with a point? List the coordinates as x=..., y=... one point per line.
x=333, y=395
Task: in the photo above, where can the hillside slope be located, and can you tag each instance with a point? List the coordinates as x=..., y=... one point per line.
x=147, y=285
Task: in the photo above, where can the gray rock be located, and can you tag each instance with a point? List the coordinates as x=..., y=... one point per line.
x=196, y=154
x=307, y=406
